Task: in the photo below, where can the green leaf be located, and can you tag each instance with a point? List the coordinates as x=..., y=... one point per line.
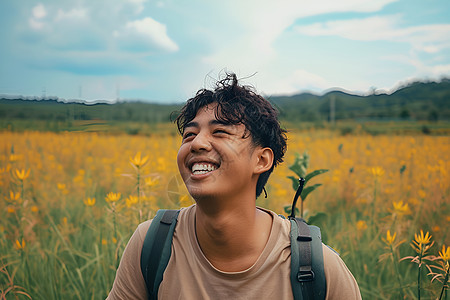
x=298, y=169
x=305, y=158
x=314, y=173
x=308, y=190
x=317, y=219
x=295, y=182
x=287, y=210
x=300, y=164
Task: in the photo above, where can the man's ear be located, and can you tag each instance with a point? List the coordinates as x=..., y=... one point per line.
x=264, y=160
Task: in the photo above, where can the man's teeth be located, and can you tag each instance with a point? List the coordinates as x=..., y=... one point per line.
x=200, y=168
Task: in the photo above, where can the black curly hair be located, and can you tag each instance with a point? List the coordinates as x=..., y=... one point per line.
x=238, y=104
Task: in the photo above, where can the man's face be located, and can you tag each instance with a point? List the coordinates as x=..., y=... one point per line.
x=215, y=159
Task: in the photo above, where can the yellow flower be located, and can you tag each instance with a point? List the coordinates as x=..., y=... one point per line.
x=5, y=170
x=112, y=197
x=445, y=254
x=414, y=201
x=138, y=161
x=389, y=238
x=61, y=186
x=104, y=242
x=361, y=225
x=22, y=175
x=89, y=201
x=20, y=245
x=34, y=209
x=377, y=171
x=151, y=181
x=14, y=157
x=400, y=208
x=422, y=239
x=436, y=228
x=131, y=200
x=114, y=240
x=422, y=194
x=421, y=242
x=10, y=210
x=13, y=197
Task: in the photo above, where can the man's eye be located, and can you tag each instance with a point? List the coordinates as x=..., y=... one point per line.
x=220, y=131
x=187, y=135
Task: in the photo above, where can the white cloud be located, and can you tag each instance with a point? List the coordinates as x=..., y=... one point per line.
x=139, y=5
x=35, y=24
x=427, y=70
x=146, y=34
x=137, y=2
x=39, y=11
x=73, y=14
x=124, y=38
x=426, y=38
x=296, y=81
x=252, y=46
x=368, y=29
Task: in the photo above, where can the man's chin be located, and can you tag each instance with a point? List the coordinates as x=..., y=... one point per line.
x=201, y=194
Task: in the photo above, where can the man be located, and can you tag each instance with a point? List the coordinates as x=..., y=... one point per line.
x=224, y=246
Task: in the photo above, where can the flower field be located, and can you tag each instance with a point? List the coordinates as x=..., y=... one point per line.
x=70, y=202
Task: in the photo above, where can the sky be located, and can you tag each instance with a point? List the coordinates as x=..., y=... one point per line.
x=165, y=50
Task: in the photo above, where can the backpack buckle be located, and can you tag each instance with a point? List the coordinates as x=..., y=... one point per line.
x=304, y=238
x=305, y=276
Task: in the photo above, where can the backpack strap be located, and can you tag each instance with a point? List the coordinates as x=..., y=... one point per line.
x=157, y=249
x=307, y=272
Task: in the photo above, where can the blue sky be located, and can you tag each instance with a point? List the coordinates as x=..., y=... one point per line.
x=164, y=51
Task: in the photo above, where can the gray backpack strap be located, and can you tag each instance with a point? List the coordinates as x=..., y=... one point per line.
x=157, y=249
x=307, y=270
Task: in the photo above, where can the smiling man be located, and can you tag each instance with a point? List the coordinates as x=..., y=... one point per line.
x=225, y=246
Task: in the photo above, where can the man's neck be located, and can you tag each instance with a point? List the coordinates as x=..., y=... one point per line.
x=233, y=237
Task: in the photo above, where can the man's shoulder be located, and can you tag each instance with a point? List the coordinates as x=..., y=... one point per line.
x=340, y=281
x=144, y=226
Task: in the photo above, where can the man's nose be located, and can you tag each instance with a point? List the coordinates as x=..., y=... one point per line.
x=201, y=142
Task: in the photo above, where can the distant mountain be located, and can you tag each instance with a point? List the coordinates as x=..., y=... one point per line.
x=53, y=110
x=416, y=101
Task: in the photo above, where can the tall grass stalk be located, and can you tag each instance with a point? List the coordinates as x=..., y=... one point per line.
x=418, y=273
x=372, y=218
x=397, y=271
x=138, y=177
x=77, y=259
x=444, y=283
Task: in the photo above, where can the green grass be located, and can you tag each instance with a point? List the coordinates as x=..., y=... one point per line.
x=140, y=128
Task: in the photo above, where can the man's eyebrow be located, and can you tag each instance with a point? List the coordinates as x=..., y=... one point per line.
x=210, y=123
x=219, y=122
x=191, y=124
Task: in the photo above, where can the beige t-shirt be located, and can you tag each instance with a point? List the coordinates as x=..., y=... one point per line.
x=189, y=275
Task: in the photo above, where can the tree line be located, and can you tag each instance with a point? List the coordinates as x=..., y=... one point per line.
x=416, y=101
